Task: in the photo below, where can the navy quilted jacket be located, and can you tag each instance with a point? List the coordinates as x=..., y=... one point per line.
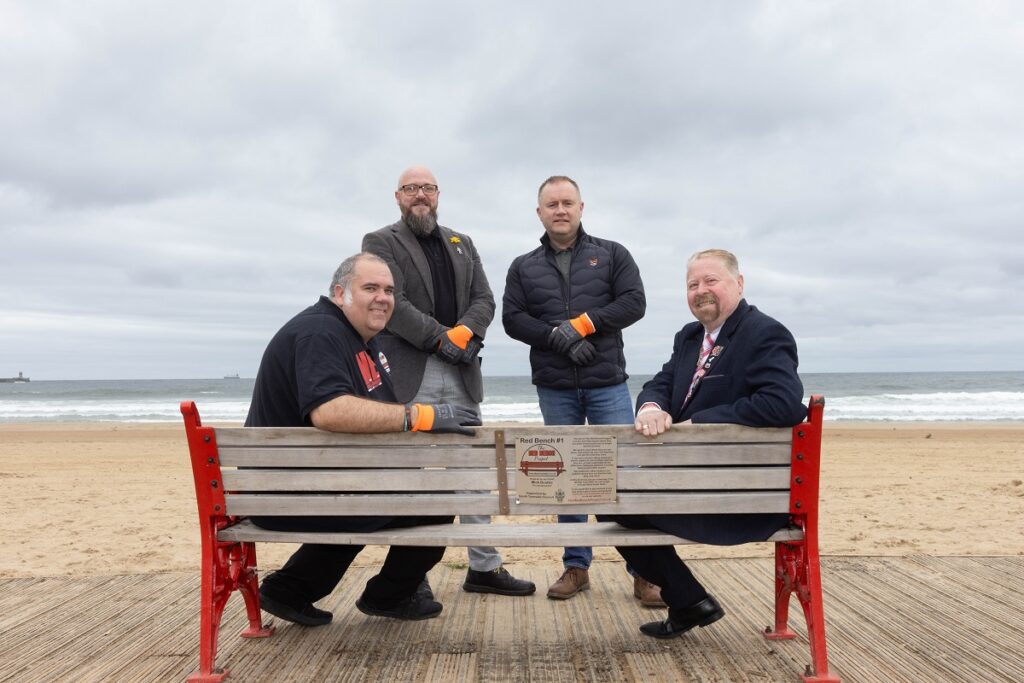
x=604, y=282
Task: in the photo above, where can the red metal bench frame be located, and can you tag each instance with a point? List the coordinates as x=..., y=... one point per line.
x=231, y=566
x=225, y=567
x=797, y=564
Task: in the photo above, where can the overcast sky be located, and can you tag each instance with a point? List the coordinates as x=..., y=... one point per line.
x=178, y=179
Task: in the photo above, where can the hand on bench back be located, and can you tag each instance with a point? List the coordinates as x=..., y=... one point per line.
x=441, y=418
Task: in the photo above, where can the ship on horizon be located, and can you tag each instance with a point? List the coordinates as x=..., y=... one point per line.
x=234, y=376
x=16, y=380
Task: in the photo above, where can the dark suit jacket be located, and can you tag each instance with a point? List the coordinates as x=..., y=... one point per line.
x=753, y=381
x=412, y=331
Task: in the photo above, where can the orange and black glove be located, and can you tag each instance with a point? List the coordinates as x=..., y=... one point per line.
x=444, y=418
x=458, y=345
x=569, y=332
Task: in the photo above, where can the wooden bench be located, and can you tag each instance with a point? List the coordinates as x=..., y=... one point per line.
x=305, y=471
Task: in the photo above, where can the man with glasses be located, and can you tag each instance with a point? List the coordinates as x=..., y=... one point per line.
x=443, y=306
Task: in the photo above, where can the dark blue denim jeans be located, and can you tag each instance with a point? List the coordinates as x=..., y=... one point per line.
x=600, y=406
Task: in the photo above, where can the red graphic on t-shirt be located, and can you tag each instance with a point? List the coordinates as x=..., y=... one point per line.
x=371, y=378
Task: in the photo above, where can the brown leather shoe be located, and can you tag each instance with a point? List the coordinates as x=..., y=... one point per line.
x=647, y=593
x=572, y=581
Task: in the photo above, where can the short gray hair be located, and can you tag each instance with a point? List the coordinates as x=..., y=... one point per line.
x=726, y=257
x=343, y=275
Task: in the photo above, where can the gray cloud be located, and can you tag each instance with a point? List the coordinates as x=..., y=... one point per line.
x=177, y=180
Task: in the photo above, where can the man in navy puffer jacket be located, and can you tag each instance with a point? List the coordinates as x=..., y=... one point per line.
x=569, y=300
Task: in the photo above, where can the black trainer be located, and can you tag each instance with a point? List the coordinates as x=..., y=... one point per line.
x=497, y=581
x=413, y=608
x=305, y=615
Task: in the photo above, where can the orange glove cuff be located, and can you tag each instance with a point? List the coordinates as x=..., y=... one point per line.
x=424, y=418
x=583, y=325
x=460, y=335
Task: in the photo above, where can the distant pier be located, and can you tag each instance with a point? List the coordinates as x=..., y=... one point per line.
x=19, y=378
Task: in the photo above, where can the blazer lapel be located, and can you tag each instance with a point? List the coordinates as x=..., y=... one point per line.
x=729, y=328
x=461, y=263
x=731, y=325
x=688, y=360
x=408, y=240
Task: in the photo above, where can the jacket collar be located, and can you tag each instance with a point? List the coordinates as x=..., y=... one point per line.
x=733, y=321
x=581, y=235
x=407, y=238
x=332, y=309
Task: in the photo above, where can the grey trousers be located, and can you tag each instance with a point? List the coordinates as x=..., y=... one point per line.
x=443, y=384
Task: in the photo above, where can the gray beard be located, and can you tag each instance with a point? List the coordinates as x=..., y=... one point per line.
x=421, y=226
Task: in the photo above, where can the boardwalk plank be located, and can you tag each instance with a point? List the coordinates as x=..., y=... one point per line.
x=889, y=619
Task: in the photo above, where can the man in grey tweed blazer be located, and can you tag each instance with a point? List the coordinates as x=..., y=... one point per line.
x=443, y=306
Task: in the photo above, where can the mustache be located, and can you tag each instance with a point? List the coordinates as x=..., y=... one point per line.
x=705, y=299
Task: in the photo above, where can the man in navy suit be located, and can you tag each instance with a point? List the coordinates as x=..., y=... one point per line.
x=734, y=365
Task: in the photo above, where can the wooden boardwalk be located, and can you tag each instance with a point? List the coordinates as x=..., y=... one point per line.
x=914, y=618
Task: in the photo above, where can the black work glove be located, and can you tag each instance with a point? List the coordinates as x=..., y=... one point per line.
x=582, y=352
x=448, y=351
x=563, y=337
x=457, y=345
x=473, y=347
x=444, y=418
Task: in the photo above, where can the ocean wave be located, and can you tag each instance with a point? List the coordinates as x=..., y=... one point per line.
x=940, y=406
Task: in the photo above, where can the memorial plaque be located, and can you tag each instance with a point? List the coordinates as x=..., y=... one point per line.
x=565, y=469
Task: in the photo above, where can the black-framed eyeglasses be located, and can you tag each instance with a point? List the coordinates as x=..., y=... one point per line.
x=410, y=190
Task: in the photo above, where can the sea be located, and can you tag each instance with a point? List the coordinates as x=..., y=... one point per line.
x=865, y=397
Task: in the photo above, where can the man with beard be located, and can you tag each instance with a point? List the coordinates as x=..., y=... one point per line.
x=323, y=369
x=443, y=306
x=734, y=365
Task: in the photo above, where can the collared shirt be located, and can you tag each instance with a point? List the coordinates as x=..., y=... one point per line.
x=563, y=259
x=442, y=277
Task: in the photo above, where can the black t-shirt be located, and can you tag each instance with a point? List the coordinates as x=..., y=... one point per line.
x=315, y=357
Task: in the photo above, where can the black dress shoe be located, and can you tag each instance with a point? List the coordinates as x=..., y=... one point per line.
x=413, y=608
x=498, y=581
x=423, y=590
x=682, y=619
x=305, y=614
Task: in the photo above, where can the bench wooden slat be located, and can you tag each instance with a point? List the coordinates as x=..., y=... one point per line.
x=354, y=480
x=381, y=457
x=625, y=434
x=360, y=480
x=403, y=456
x=464, y=535
x=704, y=454
x=244, y=504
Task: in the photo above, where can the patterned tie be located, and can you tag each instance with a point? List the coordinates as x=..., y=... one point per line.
x=705, y=351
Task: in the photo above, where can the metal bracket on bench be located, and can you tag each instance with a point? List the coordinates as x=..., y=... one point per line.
x=499, y=462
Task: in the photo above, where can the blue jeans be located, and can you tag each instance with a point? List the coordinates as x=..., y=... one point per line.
x=600, y=406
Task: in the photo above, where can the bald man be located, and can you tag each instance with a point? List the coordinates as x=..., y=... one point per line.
x=443, y=306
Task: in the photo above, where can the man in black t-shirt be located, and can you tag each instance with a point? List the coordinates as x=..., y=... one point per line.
x=323, y=369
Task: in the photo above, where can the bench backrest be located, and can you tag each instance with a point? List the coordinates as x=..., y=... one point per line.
x=305, y=471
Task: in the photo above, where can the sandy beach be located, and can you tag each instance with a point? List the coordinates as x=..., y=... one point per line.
x=117, y=498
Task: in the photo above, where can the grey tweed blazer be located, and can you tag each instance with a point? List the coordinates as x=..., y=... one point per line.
x=410, y=335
